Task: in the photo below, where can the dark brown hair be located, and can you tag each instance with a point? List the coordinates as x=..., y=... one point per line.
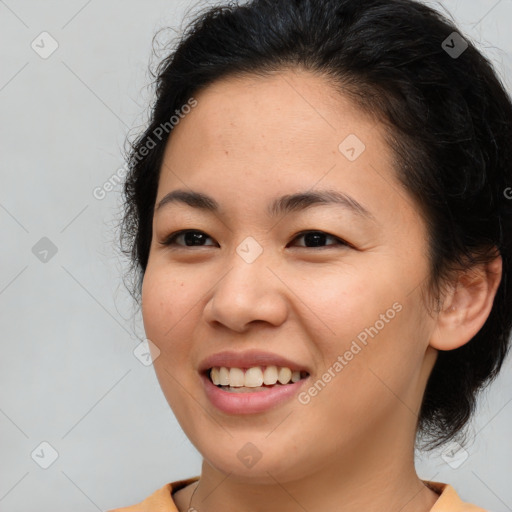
x=449, y=121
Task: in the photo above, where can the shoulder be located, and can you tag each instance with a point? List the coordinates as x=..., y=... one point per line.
x=449, y=500
x=160, y=501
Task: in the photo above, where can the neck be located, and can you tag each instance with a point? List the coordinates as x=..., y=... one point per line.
x=378, y=475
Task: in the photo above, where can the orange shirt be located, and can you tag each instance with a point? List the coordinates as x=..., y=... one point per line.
x=161, y=500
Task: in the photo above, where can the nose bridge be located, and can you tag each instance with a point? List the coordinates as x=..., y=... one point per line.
x=249, y=250
x=248, y=291
x=249, y=273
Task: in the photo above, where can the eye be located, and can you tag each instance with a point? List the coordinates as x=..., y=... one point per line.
x=191, y=237
x=316, y=239
x=195, y=238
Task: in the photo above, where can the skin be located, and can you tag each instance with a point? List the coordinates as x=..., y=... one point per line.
x=248, y=141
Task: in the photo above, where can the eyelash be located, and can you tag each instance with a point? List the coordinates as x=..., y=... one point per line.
x=171, y=239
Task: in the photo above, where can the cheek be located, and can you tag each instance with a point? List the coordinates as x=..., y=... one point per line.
x=389, y=363
x=375, y=328
x=166, y=324
x=363, y=380
x=344, y=301
x=165, y=302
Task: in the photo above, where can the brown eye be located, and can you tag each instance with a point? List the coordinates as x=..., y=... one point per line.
x=191, y=238
x=195, y=238
x=317, y=239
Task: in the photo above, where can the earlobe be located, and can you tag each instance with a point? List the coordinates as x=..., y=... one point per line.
x=467, y=305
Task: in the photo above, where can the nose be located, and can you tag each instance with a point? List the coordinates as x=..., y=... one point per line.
x=248, y=293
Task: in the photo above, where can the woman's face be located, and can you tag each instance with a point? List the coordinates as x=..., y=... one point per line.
x=341, y=303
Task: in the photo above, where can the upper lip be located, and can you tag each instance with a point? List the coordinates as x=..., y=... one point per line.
x=248, y=359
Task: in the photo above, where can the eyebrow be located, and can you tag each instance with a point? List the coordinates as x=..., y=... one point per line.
x=282, y=205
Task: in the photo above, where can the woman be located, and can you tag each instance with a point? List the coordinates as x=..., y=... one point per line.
x=320, y=232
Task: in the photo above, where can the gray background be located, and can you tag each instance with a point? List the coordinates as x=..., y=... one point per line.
x=68, y=373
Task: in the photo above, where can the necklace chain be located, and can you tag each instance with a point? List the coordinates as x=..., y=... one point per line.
x=190, y=509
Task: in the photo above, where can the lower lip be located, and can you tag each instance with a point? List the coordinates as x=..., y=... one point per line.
x=252, y=402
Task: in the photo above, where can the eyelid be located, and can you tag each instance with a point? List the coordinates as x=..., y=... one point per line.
x=169, y=240
x=340, y=241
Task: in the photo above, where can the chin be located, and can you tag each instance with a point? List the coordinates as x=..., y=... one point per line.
x=263, y=466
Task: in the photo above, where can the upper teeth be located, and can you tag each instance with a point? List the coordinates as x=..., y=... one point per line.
x=252, y=377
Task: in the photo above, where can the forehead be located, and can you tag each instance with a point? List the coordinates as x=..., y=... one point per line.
x=279, y=108
x=288, y=120
x=261, y=137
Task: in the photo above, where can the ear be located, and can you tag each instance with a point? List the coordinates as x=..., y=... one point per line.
x=467, y=305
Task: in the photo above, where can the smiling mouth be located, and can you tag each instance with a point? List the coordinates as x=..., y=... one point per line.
x=257, y=378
